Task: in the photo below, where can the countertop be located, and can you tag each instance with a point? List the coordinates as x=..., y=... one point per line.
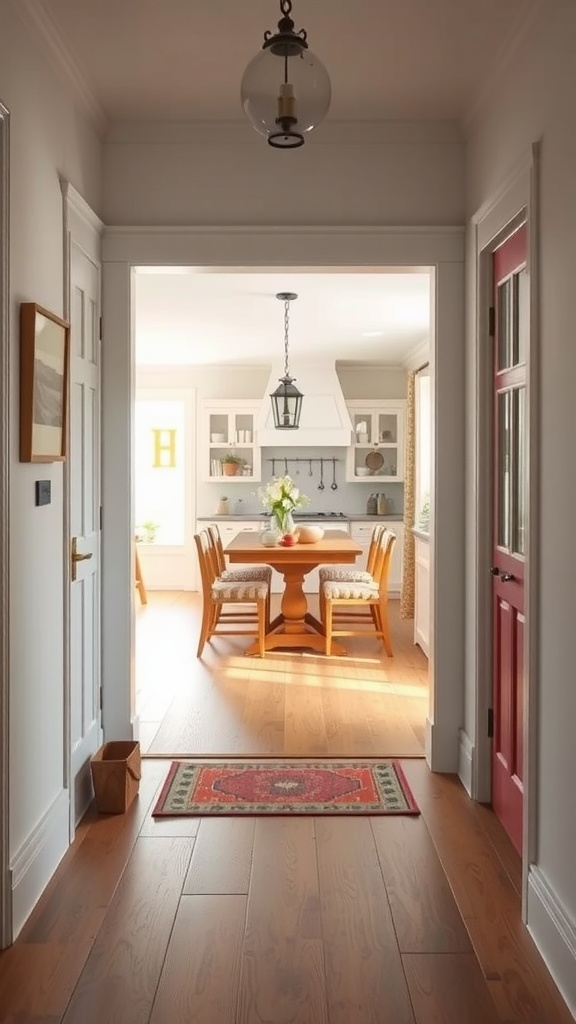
x=354, y=517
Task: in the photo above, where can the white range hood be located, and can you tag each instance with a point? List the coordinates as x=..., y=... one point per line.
x=324, y=421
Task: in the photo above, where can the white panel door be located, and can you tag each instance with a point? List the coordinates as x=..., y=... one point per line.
x=85, y=711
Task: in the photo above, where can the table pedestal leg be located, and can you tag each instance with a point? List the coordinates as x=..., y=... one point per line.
x=295, y=627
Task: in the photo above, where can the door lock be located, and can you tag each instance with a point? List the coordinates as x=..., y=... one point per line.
x=494, y=570
x=77, y=556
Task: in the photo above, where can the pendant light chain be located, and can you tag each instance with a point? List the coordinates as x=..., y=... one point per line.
x=286, y=325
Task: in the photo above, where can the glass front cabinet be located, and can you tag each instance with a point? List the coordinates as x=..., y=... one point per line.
x=228, y=428
x=377, y=450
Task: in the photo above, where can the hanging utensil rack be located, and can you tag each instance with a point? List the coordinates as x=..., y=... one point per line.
x=302, y=462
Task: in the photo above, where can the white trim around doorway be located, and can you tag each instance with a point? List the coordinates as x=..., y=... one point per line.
x=5, y=873
x=439, y=247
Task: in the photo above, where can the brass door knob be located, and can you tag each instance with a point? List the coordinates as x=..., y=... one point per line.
x=77, y=556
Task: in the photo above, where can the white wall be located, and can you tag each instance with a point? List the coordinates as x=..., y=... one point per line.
x=49, y=138
x=348, y=175
x=535, y=101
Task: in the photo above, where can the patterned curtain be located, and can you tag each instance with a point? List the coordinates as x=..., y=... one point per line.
x=407, y=595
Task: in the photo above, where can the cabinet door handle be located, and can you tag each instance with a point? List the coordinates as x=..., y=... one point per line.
x=506, y=577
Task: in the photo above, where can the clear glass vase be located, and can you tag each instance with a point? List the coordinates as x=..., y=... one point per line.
x=283, y=522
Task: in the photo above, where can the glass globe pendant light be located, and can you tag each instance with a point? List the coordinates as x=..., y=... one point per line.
x=285, y=89
x=286, y=400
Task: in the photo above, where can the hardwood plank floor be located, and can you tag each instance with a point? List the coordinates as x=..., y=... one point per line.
x=297, y=920
x=289, y=703
x=313, y=920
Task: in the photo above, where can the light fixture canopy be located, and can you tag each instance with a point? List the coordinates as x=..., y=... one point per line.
x=285, y=89
x=286, y=399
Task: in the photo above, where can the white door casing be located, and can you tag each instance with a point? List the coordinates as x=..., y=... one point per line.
x=5, y=886
x=82, y=529
x=439, y=248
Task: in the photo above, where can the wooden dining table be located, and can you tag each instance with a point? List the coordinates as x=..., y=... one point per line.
x=295, y=626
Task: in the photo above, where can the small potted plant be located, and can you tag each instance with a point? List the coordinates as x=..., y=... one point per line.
x=231, y=464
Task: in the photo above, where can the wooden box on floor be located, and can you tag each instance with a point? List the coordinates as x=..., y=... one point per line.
x=116, y=775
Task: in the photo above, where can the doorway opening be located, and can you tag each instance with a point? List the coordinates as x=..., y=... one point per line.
x=376, y=325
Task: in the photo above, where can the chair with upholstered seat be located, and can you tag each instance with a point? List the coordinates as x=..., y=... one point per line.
x=329, y=572
x=228, y=603
x=253, y=572
x=360, y=607
x=248, y=574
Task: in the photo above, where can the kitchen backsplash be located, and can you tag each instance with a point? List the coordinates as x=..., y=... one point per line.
x=350, y=497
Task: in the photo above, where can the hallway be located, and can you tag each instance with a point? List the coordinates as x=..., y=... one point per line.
x=300, y=920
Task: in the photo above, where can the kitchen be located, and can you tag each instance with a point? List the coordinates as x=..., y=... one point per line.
x=348, y=453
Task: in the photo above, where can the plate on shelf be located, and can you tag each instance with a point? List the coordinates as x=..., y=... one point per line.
x=374, y=460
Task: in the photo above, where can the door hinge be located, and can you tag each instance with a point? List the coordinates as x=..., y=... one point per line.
x=100, y=328
x=101, y=698
x=492, y=321
x=100, y=517
x=490, y=723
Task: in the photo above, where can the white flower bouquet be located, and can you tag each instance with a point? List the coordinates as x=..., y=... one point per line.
x=281, y=497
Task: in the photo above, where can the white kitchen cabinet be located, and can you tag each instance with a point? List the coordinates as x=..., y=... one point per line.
x=422, y=592
x=362, y=532
x=229, y=425
x=378, y=434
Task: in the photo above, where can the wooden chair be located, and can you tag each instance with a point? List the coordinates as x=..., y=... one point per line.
x=224, y=601
x=328, y=572
x=253, y=572
x=356, y=607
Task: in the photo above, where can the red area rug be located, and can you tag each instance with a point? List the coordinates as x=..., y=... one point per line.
x=284, y=787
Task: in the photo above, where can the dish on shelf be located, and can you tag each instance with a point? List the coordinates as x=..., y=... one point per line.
x=363, y=471
x=374, y=460
x=217, y=438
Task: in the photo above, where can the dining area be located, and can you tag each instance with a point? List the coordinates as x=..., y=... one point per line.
x=236, y=584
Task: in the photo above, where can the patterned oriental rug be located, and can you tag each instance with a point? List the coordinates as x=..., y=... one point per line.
x=284, y=787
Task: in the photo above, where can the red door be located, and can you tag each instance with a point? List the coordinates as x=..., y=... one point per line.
x=511, y=306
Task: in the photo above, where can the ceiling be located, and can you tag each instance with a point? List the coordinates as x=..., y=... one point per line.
x=193, y=316
x=183, y=60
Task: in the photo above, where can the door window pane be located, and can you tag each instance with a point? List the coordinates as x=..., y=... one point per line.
x=504, y=325
x=503, y=468
x=519, y=478
x=522, y=316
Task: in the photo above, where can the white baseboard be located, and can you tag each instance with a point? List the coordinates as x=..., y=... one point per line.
x=554, y=934
x=37, y=859
x=466, y=762
x=441, y=754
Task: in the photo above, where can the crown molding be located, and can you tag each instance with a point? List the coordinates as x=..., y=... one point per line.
x=417, y=356
x=35, y=17
x=500, y=65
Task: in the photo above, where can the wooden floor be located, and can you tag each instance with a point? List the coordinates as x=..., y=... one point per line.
x=283, y=921
x=293, y=704
x=298, y=920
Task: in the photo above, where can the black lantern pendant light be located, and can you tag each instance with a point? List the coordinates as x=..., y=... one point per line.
x=286, y=400
x=285, y=89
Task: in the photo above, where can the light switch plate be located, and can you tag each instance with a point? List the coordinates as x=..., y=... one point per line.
x=43, y=492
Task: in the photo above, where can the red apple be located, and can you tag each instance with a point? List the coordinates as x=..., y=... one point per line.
x=288, y=540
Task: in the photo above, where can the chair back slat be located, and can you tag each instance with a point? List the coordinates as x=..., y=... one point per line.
x=218, y=548
x=373, y=549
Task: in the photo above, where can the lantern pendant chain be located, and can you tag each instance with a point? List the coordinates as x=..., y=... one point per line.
x=286, y=322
